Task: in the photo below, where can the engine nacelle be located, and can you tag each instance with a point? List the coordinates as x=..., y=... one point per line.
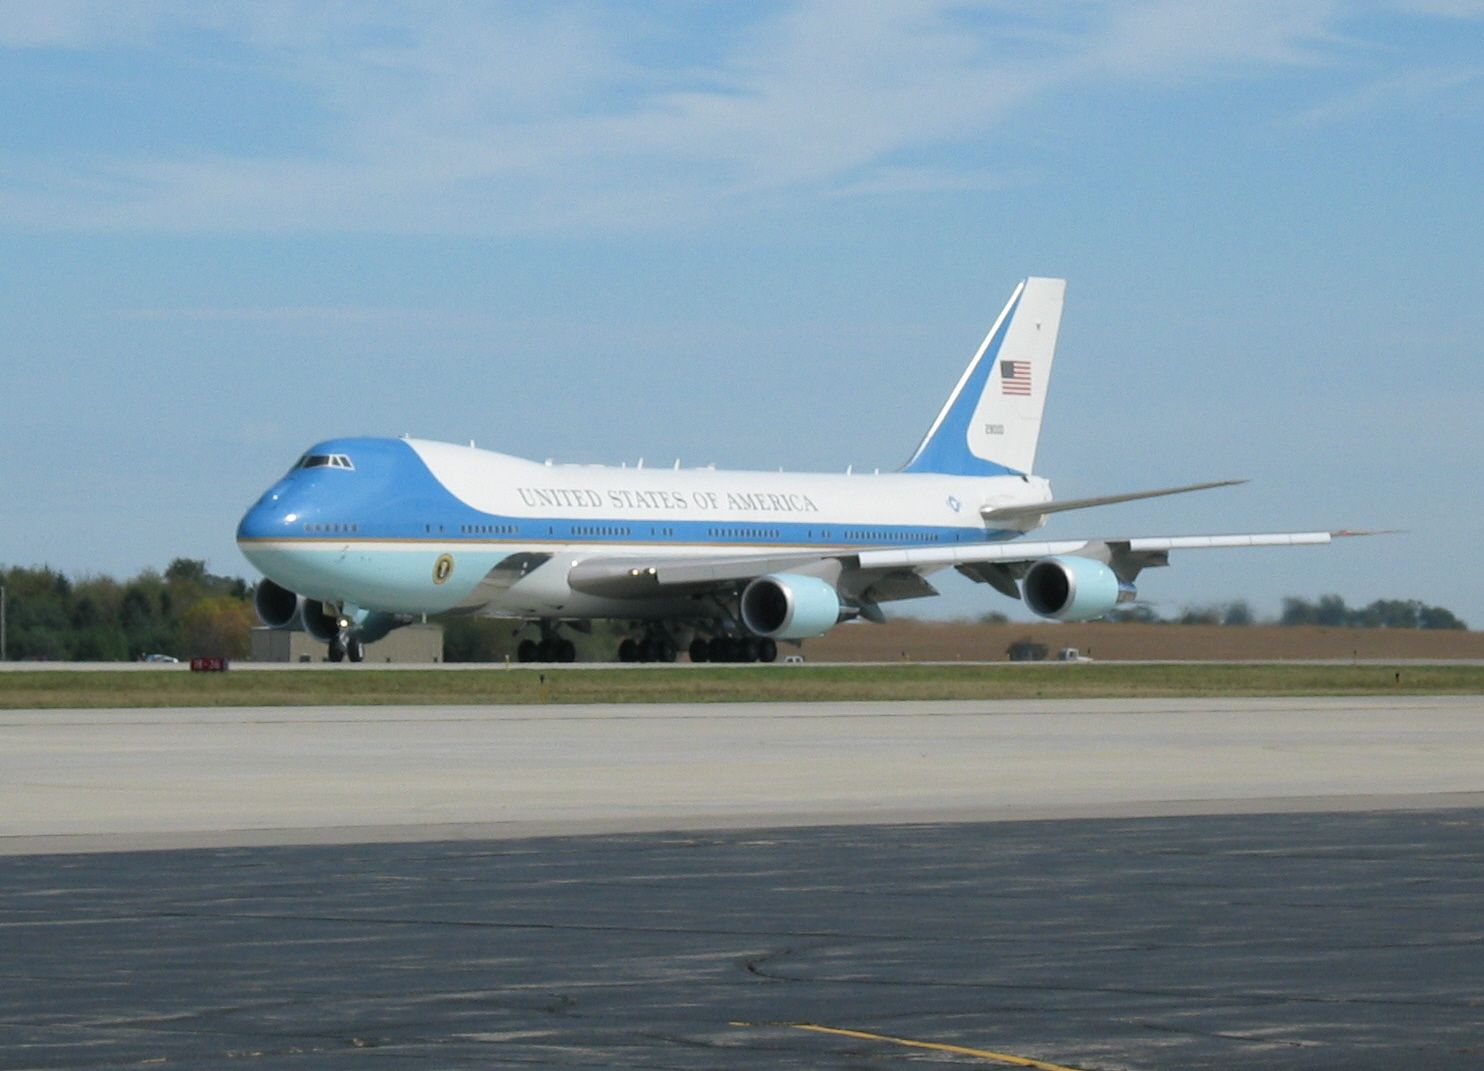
x=1073, y=589
x=788, y=606
x=277, y=606
x=319, y=621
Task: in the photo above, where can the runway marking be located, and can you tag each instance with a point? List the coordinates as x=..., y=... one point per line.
x=910, y=1043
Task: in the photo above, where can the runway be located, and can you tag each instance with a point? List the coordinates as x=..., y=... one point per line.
x=121, y=779
x=1228, y=884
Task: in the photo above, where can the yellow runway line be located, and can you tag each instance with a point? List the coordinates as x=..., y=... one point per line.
x=910, y=1043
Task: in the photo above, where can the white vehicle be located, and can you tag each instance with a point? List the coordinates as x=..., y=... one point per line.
x=364, y=535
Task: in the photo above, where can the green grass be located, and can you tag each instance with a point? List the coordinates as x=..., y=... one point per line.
x=713, y=684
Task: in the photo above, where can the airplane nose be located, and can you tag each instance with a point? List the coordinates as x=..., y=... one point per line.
x=272, y=515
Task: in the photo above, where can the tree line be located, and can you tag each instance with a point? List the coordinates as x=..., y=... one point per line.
x=184, y=612
x=187, y=611
x=1329, y=610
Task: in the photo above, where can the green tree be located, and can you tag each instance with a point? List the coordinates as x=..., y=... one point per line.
x=1238, y=613
x=1200, y=615
x=1437, y=617
x=1135, y=614
x=217, y=627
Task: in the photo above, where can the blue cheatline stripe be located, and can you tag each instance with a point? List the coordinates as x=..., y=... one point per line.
x=947, y=452
x=489, y=529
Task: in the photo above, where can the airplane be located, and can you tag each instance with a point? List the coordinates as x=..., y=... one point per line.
x=364, y=535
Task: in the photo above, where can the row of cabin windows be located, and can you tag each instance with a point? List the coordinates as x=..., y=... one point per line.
x=744, y=533
x=321, y=529
x=850, y=535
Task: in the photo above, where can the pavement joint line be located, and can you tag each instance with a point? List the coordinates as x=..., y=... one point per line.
x=912, y=1043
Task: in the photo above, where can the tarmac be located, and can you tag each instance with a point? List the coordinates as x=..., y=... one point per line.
x=1142, y=884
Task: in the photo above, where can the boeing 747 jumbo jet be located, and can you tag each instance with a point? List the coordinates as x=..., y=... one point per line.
x=365, y=535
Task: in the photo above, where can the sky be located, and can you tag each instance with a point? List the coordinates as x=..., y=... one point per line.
x=758, y=235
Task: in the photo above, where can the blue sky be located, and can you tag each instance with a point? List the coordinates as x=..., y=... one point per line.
x=758, y=235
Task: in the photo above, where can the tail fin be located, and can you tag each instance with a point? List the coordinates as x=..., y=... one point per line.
x=991, y=422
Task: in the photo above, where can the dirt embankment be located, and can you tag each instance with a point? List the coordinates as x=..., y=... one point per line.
x=934, y=641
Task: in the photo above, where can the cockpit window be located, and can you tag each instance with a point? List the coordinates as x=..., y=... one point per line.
x=323, y=461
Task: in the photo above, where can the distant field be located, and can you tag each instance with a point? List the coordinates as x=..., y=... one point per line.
x=908, y=640
x=708, y=684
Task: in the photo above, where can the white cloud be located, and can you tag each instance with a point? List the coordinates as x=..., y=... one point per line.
x=495, y=119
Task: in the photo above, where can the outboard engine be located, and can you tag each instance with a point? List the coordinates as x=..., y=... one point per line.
x=1069, y=588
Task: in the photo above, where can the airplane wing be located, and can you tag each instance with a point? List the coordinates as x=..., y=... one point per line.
x=999, y=564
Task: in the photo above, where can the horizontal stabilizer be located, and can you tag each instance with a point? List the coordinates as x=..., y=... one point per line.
x=1020, y=512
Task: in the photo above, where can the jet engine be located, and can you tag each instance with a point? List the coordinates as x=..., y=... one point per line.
x=1073, y=589
x=277, y=606
x=319, y=621
x=788, y=606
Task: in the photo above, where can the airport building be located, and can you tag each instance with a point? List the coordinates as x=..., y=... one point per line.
x=411, y=644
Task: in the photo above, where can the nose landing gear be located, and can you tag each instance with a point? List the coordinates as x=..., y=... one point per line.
x=346, y=644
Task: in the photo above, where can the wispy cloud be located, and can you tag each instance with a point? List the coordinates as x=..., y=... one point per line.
x=471, y=118
x=1399, y=91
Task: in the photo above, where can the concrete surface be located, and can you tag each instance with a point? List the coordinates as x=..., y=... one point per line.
x=77, y=780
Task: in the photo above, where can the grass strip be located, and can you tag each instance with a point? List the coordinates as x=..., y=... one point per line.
x=42, y=689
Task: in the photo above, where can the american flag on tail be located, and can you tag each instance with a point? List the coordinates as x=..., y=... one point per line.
x=1015, y=377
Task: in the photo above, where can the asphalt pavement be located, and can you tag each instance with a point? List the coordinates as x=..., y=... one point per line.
x=1299, y=941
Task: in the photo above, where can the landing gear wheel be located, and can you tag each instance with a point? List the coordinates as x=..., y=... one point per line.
x=564, y=650
x=337, y=648
x=747, y=650
x=355, y=649
x=628, y=650
x=700, y=650
x=767, y=651
x=525, y=651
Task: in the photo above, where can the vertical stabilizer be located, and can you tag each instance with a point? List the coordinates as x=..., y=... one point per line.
x=992, y=421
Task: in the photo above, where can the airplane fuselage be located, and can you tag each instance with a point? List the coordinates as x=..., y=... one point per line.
x=419, y=527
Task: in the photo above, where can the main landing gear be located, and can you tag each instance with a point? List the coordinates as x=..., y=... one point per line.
x=654, y=646
x=733, y=649
x=551, y=647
